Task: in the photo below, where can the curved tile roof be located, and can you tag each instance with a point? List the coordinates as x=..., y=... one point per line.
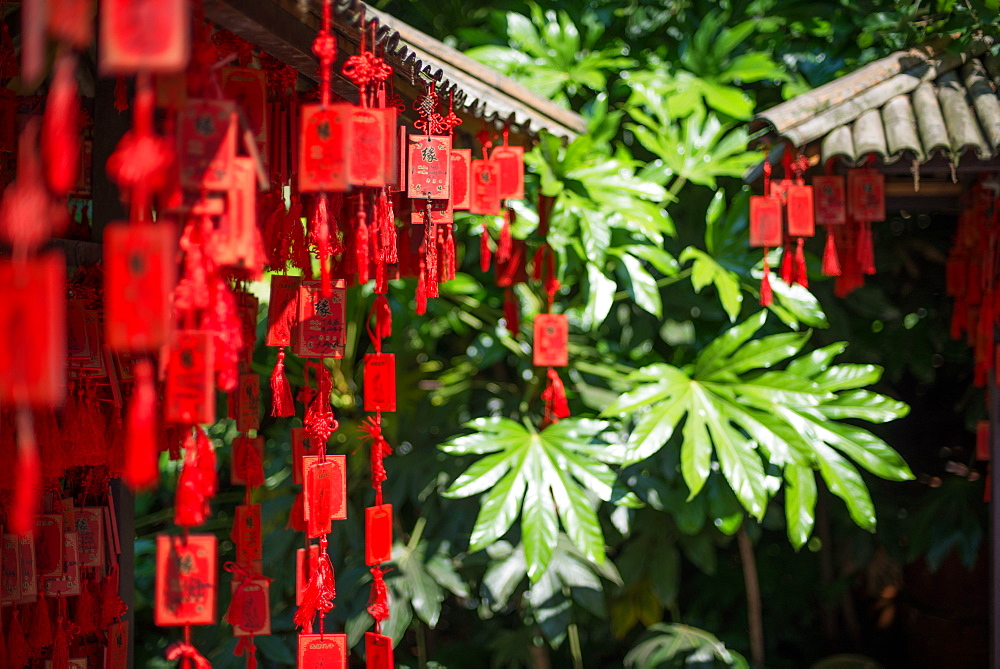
x=916, y=104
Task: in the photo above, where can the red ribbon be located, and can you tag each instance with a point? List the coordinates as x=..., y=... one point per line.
x=188, y=656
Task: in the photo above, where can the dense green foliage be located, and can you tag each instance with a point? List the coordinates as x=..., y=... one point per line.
x=698, y=415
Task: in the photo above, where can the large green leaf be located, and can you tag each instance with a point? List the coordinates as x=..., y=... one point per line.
x=547, y=477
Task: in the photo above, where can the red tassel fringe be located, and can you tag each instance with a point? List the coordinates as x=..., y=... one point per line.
x=282, y=404
x=141, y=452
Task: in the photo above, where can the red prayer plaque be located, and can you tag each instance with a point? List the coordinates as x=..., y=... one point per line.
x=800, y=211
x=300, y=447
x=248, y=406
x=206, y=144
x=29, y=574
x=765, y=220
x=248, y=319
x=429, y=175
x=241, y=461
x=323, y=651
x=190, y=392
x=485, y=188
x=380, y=382
x=72, y=21
x=391, y=147
x=830, y=198
x=254, y=602
x=321, y=321
x=461, y=172
x=90, y=528
x=33, y=330
x=185, y=580
x=140, y=270
x=371, y=162
x=10, y=570
x=441, y=212
x=247, y=87
x=235, y=241
x=551, y=340
x=117, y=657
x=246, y=530
x=67, y=584
x=378, y=534
x=150, y=35
x=282, y=310
x=510, y=162
x=866, y=195
x=324, y=157
x=378, y=651
x=325, y=492
x=49, y=545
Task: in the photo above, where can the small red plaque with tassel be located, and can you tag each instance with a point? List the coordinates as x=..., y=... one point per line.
x=371, y=161
x=186, y=580
x=67, y=584
x=429, y=167
x=250, y=607
x=378, y=651
x=27, y=568
x=118, y=645
x=247, y=463
x=139, y=274
x=551, y=340
x=510, y=164
x=249, y=87
x=49, y=545
x=147, y=35
x=485, y=188
x=90, y=526
x=190, y=388
x=248, y=404
x=461, y=173
x=325, y=492
x=206, y=144
x=321, y=321
x=378, y=534
x=323, y=651
x=282, y=311
x=866, y=195
x=830, y=199
x=765, y=220
x=800, y=210
x=324, y=162
x=380, y=382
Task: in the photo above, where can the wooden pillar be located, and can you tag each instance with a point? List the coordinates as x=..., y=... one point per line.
x=994, y=535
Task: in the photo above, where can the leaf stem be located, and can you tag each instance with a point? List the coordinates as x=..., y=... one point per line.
x=754, y=604
x=418, y=530
x=676, y=186
x=574, y=646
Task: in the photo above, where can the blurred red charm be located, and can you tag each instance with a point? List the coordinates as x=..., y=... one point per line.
x=321, y=321
x=248, y=88
x=150, y=35
x=378, y=651
x=140, y=271
x=380, y=382
x=370, y=163
x=282, y=310
x=485, y=188
x=185, y=580
x=246, y=533
x=206, y=144
x=248, y=404
x=831, y=200
x=378, y=534
x=250, y=607
x=323, y=155
x=461, y=166
x=325, y=492
x=799, y=207
x=190, y=392
x=510, y=164
x=765, y=220
x=551, y=340
x=866, y=195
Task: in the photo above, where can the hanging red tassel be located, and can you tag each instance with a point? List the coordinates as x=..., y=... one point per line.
x=449, y=261
x=831, y=264
x=484, y=248
x=197, y=483
x=866, y=249
x=60, y=132
x=787, y=263
x=421, y=293
x=60, y=647
x=121, y=94
x=296, y=517
x=86, y=611
x=141, y=452
x=112, y=606
x=361, y=243
x=511, y=312
x=505, y=244
x=380, y=448
x=40, y=633
x=319, y=594
x=378, y=601
x=320, y=230
x=17, y=649
x=383, y=317
x=801, y=274
x=187, y=655
x=245, y=647
x=28, y=480
x=282, y=404
x=766, y=294
x=556, y=405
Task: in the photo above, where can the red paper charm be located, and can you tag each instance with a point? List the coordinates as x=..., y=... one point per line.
x=866, y=195
x=485, y=188
x=765, y=221
x=150, y=35
x=321, y=321
x=429, y=167
x=371, y=162
x=378, y=534
x=282, y=310
x=510, y=165
x=250, y=608
x=325, y=492
x=206, y=144
x=378, y=651
x=799, y=205
x=831, y=199
x=247, y=533
x=461, y=174
x=551, y=340
x=326, y=651
x=324, y=160
x=380, y=382
x=90, y=526
x=185, y=580
x=190, y=388
x=248, y=404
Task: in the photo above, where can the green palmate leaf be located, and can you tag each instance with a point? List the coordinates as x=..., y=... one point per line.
x=547, y=478
x=671, y=644
x=705, y=270
x=644, y=291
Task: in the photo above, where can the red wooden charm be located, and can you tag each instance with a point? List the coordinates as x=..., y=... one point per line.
x=551, y=340
x=800, y=210
x=118, y=646
x=253, y=600
x=325, y=492
x=190, y=393
x=371, y=161
x=185, y=580
x=323, y=651
x=248, y=404
x=282, y=310
x=140, y=270
x=866, y=195
x=321, y=321
x=378, y=651
x=10, y=570
x=429, y=167
x=510, y=163
x=27, y=568
x=765, y=220
x=247, y=533
x=206, y=144
x=33, y=330
x=831, y=199
x=150, y=35
x=324, y=159
x=983, y=440
x=90, y=527
x=485, y=188
x=461, y=175
x=378, y=534
x=380, y=382
x=247, y=452
x=248, y=88
x=67, y=583
x=49, y=545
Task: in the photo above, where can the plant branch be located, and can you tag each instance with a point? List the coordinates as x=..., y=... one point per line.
x=754, y=605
